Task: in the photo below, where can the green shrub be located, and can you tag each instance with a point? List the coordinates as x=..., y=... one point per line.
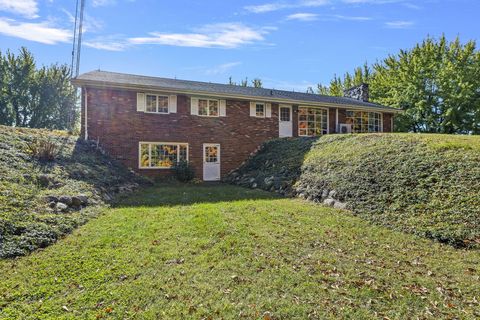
x=184, y=171
x=43, y=149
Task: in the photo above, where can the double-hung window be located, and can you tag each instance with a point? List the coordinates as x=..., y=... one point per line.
x=208, y=108
x=260, y=110
x=363, y=121
x=161, y=155
x=156, y=103
x=312, y=121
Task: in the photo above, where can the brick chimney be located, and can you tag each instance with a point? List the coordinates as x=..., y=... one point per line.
x=359, y=92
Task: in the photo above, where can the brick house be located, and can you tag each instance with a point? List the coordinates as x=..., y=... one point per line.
x=150, y=123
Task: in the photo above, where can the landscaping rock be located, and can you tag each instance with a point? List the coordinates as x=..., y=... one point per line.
x=329, y=202
x=340, y=205
x=65, y=200
x=51, y=199
x=324, y=194
x=44, y=180
x=61, y=207
x=78, y=201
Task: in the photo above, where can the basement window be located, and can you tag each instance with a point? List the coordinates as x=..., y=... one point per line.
x=159, y=155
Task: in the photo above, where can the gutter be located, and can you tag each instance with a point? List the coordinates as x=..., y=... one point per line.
x=105, y=84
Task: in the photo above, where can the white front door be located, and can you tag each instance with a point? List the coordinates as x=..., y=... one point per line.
x=285, y=121
x=211, y=162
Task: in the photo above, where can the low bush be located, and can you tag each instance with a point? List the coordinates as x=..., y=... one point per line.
x=43, y=149
x=184, y=172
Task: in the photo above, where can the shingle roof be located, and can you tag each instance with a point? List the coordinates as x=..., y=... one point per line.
x=113, y=78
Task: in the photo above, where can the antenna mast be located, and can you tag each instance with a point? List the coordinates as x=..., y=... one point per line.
x=77, y=38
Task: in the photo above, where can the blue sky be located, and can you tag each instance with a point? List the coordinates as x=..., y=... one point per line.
x=289, y=44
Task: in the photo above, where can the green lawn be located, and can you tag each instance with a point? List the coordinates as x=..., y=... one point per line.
x=223, y=252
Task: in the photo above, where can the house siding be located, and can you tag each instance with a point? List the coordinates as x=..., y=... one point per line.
x=113, y=121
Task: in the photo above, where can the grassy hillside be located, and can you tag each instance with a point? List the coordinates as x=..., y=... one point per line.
x=428, y=185
x=224, y=252
x=36, y=204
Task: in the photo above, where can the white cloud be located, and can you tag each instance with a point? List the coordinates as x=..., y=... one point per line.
x=262, y=8
x=334, y=17
x=102, y=3
x=275, y=6
x=108, y=43
x=220, y=35
x=301, y=86
x=222, y=68
x=399, y=24
x=351, y=18
x=26, y=8
x=42, y=32
x=303, y=16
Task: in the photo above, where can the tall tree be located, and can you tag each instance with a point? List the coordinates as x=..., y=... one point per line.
x=37, y=98
x=436, y=83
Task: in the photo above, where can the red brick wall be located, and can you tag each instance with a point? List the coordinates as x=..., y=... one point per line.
x=114, y=121
x=387, y=122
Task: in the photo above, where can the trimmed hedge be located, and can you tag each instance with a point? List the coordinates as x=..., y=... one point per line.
x=428, y=185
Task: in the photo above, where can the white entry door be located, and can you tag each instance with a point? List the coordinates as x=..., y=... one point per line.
x=285, y=126
x=211, y=162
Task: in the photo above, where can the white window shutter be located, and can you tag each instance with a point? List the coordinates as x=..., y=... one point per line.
x=172, y=104
x=268, y=111
x=223, y=108
x=253, y=110
x=194, y=106
x=141, y=101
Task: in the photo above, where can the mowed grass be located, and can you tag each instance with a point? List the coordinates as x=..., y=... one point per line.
x=223, y=252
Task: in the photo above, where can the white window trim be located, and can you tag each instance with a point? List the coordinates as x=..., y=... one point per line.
x=150, y=153
x=264, y=110
x=208, y=106
x=328, y=120
x=380, y=126
x=156, y=99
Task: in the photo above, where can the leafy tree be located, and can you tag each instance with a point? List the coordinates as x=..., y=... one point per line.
x=257, y=83
x=436, y=83
x=35, y=97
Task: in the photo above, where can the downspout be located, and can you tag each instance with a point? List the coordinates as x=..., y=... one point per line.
x=336, y=121
x=86, y=119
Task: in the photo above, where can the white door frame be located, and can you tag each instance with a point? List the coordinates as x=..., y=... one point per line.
x=211, y=170
x=286, y=125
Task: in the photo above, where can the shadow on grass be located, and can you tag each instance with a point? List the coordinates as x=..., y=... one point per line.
x=175, y=193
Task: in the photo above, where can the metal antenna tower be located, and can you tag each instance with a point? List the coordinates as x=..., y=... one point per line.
x=77, y=38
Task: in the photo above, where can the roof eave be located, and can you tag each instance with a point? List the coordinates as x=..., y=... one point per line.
x=107, y=84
